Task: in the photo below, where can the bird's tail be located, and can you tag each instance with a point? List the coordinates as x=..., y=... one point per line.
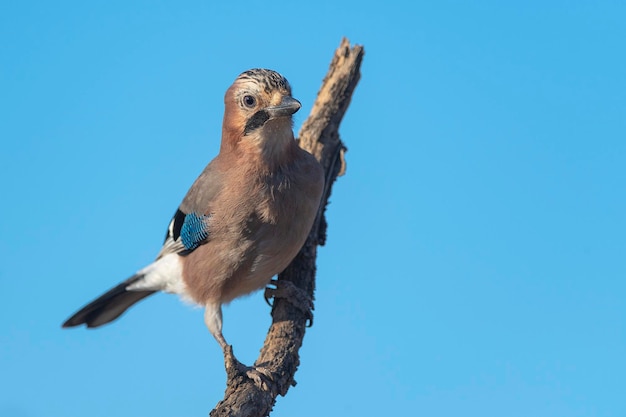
x=109, y=305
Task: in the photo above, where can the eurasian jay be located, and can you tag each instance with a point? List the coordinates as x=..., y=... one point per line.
x=242, y=221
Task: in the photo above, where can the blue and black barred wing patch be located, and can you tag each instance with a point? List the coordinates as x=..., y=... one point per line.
x=186, y=232
x=195, y=230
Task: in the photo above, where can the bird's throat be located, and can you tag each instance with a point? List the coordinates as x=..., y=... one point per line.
x=274, y=141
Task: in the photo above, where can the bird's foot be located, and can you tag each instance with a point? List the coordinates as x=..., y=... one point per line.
x=261, y=376
x=294, y=295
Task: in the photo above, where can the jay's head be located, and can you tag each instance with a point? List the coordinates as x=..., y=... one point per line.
x=258, y=108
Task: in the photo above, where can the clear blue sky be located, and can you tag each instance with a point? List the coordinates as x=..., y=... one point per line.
x=475, y=263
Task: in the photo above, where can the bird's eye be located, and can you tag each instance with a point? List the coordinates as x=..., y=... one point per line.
x=249, y=101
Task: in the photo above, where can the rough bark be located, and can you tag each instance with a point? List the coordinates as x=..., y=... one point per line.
x=295, y=286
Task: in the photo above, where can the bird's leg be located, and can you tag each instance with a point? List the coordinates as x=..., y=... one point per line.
x=261, y=376
x=213, y=320
x=294, y=295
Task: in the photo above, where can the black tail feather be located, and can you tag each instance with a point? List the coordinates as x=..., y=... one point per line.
x=108, y=306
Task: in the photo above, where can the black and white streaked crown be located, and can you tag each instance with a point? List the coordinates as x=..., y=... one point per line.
x=269, y=80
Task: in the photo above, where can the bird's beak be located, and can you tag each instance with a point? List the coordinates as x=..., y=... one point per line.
x=287, y=107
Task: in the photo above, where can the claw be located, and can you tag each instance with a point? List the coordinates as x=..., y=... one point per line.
x=261, y=376
x=294, y=295
x=270, y=292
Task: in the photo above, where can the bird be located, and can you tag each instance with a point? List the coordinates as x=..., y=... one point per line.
x=244, y=218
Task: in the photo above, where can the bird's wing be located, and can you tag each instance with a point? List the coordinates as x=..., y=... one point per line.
x=190, y=226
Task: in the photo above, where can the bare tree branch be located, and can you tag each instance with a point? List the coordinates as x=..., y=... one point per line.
x=292, y=307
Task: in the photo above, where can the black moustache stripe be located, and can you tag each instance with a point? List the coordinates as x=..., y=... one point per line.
x=257, y=120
